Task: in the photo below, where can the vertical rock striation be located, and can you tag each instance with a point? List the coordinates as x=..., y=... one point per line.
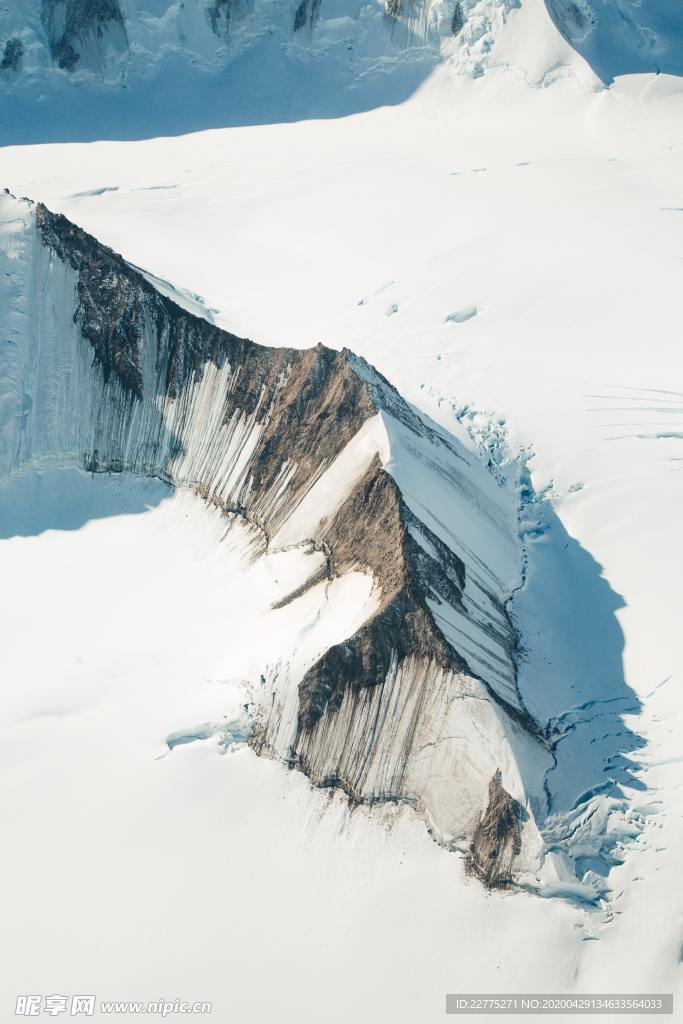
x=80, y=32
x=306, y=15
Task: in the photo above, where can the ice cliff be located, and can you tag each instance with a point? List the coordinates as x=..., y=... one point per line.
x=119, y=41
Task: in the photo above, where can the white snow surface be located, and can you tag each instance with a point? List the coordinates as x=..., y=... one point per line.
x=529, y=244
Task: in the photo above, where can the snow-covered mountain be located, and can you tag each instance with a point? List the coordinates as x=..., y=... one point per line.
x=321, y=459
x=431, y=624
x=76, y=69
x=111, y=36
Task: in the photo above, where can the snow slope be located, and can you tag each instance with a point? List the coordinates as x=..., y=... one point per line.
x=136, y=872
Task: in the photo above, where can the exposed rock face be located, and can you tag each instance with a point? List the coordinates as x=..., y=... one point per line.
x=303, y=405
x=458, y=20
x=497, y=838
x=313, y=447
x=306, y=15
x=221, y=14
x=12, y=54
x=80, y=31
x=369, y=532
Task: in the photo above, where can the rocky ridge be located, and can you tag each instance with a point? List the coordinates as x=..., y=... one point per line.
x=312, y=447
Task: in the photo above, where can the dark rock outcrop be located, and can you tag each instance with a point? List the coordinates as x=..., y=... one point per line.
x=310, y=402
x=458, y=19
x=306, y=15
x=497, y=838
x=370, y=532
x=219, y=13
x=77, y=30
x=12, y=54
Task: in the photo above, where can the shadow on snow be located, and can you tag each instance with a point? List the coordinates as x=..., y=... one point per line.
x=65, y=499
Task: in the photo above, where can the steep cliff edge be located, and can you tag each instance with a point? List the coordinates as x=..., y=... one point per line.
x=315, y=450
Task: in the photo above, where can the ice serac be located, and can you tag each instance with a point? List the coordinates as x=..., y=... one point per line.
x=382, y=48
x=131, y=42
x=313, y=448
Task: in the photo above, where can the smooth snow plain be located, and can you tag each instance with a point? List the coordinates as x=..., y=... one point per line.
x=511, y=258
